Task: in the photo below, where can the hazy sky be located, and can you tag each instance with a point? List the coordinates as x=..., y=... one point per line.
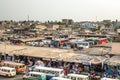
x=43, y=10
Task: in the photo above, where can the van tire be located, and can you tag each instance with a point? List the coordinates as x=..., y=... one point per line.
x=7, y=75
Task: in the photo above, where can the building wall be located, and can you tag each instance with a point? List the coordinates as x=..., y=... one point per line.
x=67, y=21
x=55, y=27
x=116, y=48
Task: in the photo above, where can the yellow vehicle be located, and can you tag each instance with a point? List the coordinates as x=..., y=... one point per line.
x=0, y=63
x=77, y=77
x=18, y=66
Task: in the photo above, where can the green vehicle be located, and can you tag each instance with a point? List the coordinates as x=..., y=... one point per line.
x=33, y=78
x=36, y=78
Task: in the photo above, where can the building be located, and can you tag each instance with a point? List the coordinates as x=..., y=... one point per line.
x=118, y=32
x=67, y=21
x=116, y=48
x=108, y=30
x=41, y=27
x=88, y=25
x=55, y=27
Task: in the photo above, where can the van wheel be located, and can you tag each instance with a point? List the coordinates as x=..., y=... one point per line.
x=8, y=75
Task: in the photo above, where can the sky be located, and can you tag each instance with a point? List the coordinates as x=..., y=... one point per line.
x=44, y=10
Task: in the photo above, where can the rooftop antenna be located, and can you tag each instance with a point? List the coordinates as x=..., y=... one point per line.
x=28, y=17
x=96, y=18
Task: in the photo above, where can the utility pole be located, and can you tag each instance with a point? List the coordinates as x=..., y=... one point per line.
x=5, y=57
x=5, y=52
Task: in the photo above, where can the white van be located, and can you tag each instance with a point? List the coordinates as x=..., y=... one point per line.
x=77, y=77
x=59, y=78
x=33, y=74
x=50, y=71
x=7, y=71
x=108, y=79
x=85, y=44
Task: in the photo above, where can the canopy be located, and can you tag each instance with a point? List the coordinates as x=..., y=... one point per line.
x=98, y=60
x=113, y=61
x=79, y=58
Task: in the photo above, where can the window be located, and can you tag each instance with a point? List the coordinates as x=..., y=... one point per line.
x=85, y=44
x=52, y=72
x=79, y=78
x=13, y=70
x=20, y=66
x=8, y=70
x=73, y=78
x=37, y=70
x=35, y=75
x=79, y=43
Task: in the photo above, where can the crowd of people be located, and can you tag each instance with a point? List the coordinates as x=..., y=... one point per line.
x=71, y=67
x=111, y=72
x=77, y=68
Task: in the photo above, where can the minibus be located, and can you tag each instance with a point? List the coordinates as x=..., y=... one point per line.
x=77, y=77
x=7, y=71
x=84, y=44
x=59, y=78
x=20, y=67
x=108, y=79
x=34, y=75
x=50, y=72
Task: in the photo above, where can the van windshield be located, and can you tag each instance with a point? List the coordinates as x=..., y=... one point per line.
x=13, y=70
x=35, y=75
x=85, y=44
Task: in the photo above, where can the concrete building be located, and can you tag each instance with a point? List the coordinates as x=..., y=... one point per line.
x=41, y=27
x=55, y=27
x=116, y=48
x=67, y=21
x=88, y=25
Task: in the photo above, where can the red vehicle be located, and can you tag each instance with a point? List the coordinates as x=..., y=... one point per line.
x=103, y=40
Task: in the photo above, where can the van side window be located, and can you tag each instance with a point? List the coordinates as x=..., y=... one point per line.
x=16, y=66
x=79, y=79
x=8, y=70
x=73, y=78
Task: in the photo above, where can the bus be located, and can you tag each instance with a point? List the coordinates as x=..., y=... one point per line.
x=36, y=75
x=50, y=72
x=20, y=68
x=77, y=77
x=59, y=78
x=7, y=71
